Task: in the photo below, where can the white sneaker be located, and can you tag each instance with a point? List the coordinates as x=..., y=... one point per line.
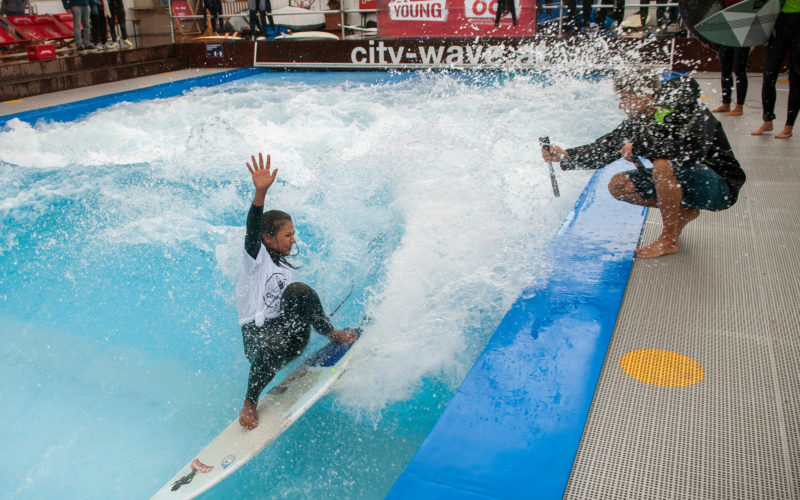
x=111, y=45
x=126, y=44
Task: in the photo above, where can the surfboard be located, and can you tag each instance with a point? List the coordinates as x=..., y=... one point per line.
x=308, y=35
x=217, y=38
x=745, y=24
x=279, y=408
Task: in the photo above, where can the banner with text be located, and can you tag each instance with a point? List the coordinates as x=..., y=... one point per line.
x=455, y=18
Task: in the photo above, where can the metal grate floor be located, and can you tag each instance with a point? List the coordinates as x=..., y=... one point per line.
x=730, y=300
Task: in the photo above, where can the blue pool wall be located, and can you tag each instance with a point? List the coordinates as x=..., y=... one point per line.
x=513, y=427
x=78, y=109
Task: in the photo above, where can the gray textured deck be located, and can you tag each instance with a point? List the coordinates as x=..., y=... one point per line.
x=730, y=300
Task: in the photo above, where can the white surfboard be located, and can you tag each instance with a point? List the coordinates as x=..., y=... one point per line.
x=307, y=35
x=277, y=410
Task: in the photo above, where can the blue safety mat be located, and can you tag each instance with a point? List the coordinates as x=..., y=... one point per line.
x=513, y=427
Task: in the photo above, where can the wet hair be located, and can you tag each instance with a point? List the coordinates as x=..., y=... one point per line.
x=271, y=223
x=637, y=82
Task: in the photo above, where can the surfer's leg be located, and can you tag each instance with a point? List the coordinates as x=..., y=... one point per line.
x=265, y=348
x=776, y=51
x=741, y=57
x=794, y=79
x=725, y=56
x=301, y=310
x=302, y=307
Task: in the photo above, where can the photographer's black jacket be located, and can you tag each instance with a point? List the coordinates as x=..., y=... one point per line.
x=681, y=130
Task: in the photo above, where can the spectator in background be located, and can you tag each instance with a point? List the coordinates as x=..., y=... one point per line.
x=98, y=21
x=785, y=38
x=617, y=13
x=572, y=12
x=80, y=17
x=733, y=60
x=14, y=7
x=260, y=8
x=116, y=15
x=666, y=17
x=213, y=8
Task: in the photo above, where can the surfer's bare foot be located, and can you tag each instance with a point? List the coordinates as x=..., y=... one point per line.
x=785, y=133
x=765, y=127
x=657, y=248
x=343, y=336
x=737, y=110
x=724, y=108
x=248, y=417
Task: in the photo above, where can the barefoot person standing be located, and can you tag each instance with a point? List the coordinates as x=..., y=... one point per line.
x=276, y=313
x=693, y=165
x=785, y=39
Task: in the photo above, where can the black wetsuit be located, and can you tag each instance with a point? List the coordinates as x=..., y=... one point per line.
x=682, y=131
x=279, y=340
x=785, y=39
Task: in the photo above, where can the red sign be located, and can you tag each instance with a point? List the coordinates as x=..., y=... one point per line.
x=367, y=4
x=180, y=8
x=41, y=52
x=454, y=18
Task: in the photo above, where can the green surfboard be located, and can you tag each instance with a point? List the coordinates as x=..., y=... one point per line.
x=745, y=24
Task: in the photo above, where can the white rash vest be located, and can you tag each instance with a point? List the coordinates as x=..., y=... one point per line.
x=259, y=288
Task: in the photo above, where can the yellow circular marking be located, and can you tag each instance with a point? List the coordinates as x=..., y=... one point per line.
x=664, y=368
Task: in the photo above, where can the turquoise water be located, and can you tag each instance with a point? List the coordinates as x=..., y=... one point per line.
x=120, y=236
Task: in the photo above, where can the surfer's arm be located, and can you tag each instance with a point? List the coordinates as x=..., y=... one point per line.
x=262, y=180
x=252, y=238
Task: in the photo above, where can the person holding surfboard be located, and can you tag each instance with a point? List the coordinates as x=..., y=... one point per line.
x=693, y=165
x=785, y=38
x=276, y=313
x=732, y=61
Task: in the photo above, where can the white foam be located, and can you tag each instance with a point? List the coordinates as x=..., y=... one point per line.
x=451, y=170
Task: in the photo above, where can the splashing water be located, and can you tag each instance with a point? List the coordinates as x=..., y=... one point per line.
x=422, y=196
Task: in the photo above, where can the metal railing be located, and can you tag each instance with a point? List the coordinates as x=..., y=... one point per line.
x=561, y=7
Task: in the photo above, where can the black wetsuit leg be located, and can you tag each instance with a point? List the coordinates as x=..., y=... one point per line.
x=280, y=340
x=733, y=61
x=741, y=57
x=785, y=38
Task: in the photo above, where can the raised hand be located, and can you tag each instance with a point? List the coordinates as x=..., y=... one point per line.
x=262, y=176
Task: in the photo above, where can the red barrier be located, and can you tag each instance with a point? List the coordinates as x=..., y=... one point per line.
x=40, y=28
x=41, y=52
x=453, y=18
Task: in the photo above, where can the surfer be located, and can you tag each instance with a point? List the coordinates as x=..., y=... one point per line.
x=693, y=165
x=785, y=39
x=276, y=313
